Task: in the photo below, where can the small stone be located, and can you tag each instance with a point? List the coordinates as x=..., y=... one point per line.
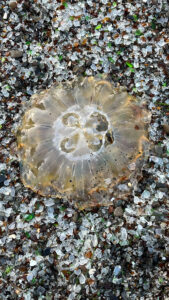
x=82, y=279
x=12, y=191
x=118, y=212
x=46, y=251
x=167, y=250
x=155, y=204
x=13, y=5
x=163, y=225
x=49, y=202
x=12, y=236
x=166, y=128
x=5, y=16
x=79, y=70
x=16, y=53
x=77, y=272
x=160, y=194
x=33, y=263
x=92, y=271
x=2, y=167
x=146, y=194
x=161, y=185
x=5, y=191
x=123, y=234
x=6, y=182
x=158, y=150
x=146, y=286
x=95, y=241
x=30, y=276
x=2, y=178
x=117, y=270
x=118, y=203
x=75, y=217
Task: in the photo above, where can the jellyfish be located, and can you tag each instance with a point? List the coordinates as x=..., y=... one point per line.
x=82, y=140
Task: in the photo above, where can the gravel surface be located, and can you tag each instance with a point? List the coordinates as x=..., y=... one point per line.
x=48, y=249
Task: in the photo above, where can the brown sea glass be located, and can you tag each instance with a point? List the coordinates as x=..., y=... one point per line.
x=83, y=141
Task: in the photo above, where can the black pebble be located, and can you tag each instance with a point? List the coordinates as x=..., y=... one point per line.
x=46, y=251
x=2, y=178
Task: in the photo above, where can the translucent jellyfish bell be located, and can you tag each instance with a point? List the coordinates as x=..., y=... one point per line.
x=82, y=141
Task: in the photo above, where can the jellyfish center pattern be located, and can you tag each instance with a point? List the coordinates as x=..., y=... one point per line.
x=81, y=132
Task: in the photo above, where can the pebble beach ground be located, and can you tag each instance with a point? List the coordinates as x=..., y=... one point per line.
x=48, y=249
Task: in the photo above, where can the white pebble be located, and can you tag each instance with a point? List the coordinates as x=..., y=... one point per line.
x=123, y=233
x=146, y=194
x=117, y=270
x=82, y=279
x=95, y=241
x=33, y=263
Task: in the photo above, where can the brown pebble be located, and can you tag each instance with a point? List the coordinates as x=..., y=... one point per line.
x=166, y=128
x=16, y=53
x=118, y=212
x=13, y=5
x=155, y=204
x=110, y=209
x=75, y=217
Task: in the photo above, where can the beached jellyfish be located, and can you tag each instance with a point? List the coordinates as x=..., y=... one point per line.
x=83, y=140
